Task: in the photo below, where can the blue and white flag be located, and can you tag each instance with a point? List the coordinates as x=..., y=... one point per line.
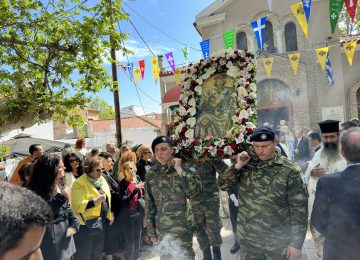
x=307, y=5
x=205, y=47
x=329, y=72
x=130, y=67
x=259, y=27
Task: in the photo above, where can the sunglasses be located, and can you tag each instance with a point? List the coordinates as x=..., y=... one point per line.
x=74, y=160
x=100, y=170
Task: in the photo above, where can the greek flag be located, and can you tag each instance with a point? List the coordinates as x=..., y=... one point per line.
x=329, y=72
x=259, y=27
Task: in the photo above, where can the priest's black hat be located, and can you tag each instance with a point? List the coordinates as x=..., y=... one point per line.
x=329, y=126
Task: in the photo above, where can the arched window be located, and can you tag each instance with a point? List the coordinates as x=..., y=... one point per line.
x=269, y=36
x=290, y=37
x=241, y=41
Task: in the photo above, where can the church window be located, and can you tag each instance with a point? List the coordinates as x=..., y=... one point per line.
x=269, y=35
x=290, y=37
x=241, y=41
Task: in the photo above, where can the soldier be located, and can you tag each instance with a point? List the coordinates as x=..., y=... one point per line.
x=205, y=207
x=167, y=188
x=272, y=217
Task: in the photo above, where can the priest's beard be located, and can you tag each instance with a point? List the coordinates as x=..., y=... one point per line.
x=331, y=150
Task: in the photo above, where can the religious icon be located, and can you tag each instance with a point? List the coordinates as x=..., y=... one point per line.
x=215, y=108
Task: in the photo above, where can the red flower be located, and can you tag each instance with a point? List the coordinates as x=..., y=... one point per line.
x=184, y=129
x=233, y=146
x=208, y=144
x=249, y=100
x=186, y=151
x=181, y=102
x=206, y=152
x=195, y=142
x=184, y=138
x=219, y=152
x=250, y=131
x=244, y=120
x=176, y=123
x=186, y=117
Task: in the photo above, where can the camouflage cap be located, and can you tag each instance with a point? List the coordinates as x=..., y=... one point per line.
x=263, y=134
x=159, y=140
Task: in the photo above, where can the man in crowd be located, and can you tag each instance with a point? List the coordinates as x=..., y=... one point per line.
x=348, y=124
x=336, y=208
x=113, y=150
x=302, y=151
x=168, y=185
x=23, y=219
x=326, y=160
x=314, y=143
x=35, y=151
x=272, y=218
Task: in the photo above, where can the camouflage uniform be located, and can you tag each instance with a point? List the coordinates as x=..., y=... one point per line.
x=205, y=207
x=272, y=206
x=166, y=196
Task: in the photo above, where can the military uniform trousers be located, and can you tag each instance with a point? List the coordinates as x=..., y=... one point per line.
x=257, y=251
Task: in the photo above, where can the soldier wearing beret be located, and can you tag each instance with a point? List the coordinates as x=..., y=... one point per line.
x=168, y=185
x=272, y=219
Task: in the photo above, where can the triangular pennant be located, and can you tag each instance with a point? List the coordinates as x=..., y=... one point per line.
x=351, y=8
x=170, y=58
x=177, y=76
x=137, y=75
x=229, y=39
x=349, y=48
x=268, y=63
x=334, y=10
x=205, y=48
x=142, y=68
x=307, y=6
x=321, y=54
x=294, y=59
x=155, y=68
x=299, y=13
x=186, y=54
x=124, y=68
x=259, y=27
x=130, y=67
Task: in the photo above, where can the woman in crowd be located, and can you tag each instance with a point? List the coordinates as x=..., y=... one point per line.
x=80, y=147
x=25, y=175
x=124, y=148
x=131, y=212
x=143, y=164
x=74, y=168
x=58, y=242
x=91, y=202
x=111, y=244
x=127, y=156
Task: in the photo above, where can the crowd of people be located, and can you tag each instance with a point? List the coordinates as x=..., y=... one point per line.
x=94, y=204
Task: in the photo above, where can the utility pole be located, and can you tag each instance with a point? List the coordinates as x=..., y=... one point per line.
x=118, y=135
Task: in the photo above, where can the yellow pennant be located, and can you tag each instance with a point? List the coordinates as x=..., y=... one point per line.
x=321, y=54
x=177, y=76
x=137, y=75
x=299, y=13
x=155, y=68
x=268, y=62
x=349, y=48
x=294, y=61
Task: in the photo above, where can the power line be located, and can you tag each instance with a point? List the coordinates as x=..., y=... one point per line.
x=168, y=35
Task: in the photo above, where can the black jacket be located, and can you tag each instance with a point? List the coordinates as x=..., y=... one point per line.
x=114, y=190
x=304, y=150
x=336, y=213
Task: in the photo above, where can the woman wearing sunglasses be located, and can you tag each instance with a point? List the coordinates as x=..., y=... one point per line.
x=91, y=202
x=73, y=168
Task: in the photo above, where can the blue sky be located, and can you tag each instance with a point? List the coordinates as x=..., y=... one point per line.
x=176, y=19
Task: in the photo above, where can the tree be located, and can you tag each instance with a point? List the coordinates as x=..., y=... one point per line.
x=106, y=111
x=52, y=55
x=346, y=26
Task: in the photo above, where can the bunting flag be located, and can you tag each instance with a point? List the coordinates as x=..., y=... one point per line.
x=229, y=39
x=268, y=62
x=328, y=71
x=349, y=48
x=270, y=5
x=177, y=76
x=321, y=54
x=335, y=9
x=124, y=68
x=299, y=13
x=259, y=27
x=137, y=75
x=205, y=48
x=351, y=8
x=307, y=6
x=142, y=68
x=130, y=67
x=155, y=68
x=170, y=58
x=294, y=59
x=186, y=54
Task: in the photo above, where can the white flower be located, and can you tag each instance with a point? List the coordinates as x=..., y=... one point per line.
x=228, y=150
x=235, y=119
x=252, y=95
x=250, y=125
x=198, y=89
x=189, y=133
x=192, y=102
x=253, y=87
x=199, y=81
x=182, y=110
x=178, y=129
x=233, y=72
x=219, y=143
x=212, y=150
x=242, y=92
x=244, y=114
x=192, y=111
x=239, y=139
x=191, y=121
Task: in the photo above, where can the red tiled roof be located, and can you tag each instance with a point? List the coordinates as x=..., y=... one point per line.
x=172, y=95
x=130, y=122
x=349, y=38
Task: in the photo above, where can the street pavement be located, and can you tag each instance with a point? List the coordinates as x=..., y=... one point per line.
x=308, y=251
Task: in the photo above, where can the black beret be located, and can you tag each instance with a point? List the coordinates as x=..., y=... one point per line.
x=329, y=126
x=159, y=140
x=263, y=134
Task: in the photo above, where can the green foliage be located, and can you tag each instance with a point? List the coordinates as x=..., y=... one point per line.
x=4, y=150
x=106, y=111
x=52, y=55
x=346, y=26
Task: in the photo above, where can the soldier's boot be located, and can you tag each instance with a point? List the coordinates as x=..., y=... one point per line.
x=216, y=253
x=207, y=254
